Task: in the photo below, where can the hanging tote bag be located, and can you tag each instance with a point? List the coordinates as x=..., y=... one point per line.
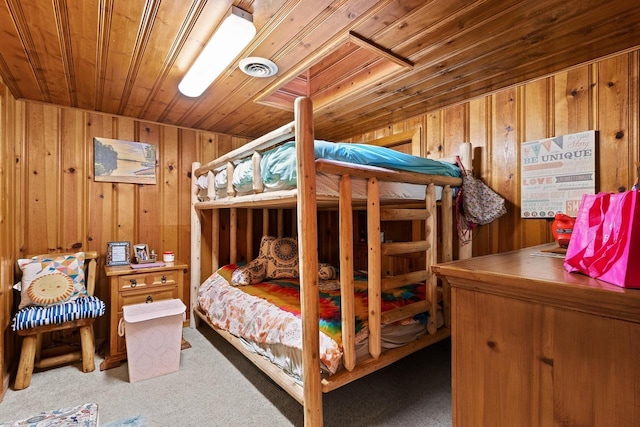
x=479, y=203
x=605, y=242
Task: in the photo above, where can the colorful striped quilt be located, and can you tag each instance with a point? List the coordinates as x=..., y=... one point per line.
x=270, y=312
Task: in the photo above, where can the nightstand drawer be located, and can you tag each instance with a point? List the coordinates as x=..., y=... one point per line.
x=147, y=295
x=140, y=281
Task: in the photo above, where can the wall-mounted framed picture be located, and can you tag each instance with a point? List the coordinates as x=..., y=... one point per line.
x=556, y=172
x=116, y=160
x=118, y=253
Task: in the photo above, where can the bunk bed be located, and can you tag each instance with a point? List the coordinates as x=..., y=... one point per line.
x=430, y=214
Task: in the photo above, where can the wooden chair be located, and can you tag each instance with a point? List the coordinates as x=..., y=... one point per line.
x=32, y=355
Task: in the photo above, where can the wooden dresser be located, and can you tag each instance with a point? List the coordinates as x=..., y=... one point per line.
x=534, y=345
x=134, y=286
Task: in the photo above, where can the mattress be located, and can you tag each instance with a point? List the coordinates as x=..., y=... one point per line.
x=278, y=171
x=266, y=317
x=328, y=185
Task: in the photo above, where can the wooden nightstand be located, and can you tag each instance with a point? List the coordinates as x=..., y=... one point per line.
x=134, y=286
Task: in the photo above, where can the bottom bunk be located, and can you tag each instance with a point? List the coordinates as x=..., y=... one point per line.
x=262, y=320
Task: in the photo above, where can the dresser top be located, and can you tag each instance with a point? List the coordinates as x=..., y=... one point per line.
x=527, y=274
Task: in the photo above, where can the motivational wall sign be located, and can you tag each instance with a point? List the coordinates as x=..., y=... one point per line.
x=556, y=172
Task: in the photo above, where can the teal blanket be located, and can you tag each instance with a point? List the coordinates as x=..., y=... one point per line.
x=279, y=165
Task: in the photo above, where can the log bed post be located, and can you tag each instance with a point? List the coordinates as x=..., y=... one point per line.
x=347, y=304
x=465, y=249
x=211, y=185
x=231, y=191
x=374, y=273
x=265, y=221
x=308, y=250
x=215, y=239
x=258, y=185
x=249, y=235
x=447, y=224
x=233, y=235
x=431, y=225
x=196, y=230
x=280, y=222
x=294, y=220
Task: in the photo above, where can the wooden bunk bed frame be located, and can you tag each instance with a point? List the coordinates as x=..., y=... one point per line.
x=306, y=202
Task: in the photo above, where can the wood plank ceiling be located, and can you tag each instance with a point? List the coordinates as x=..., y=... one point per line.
x=127, y=57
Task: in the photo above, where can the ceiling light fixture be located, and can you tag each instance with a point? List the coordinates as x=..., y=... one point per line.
x=231, y=37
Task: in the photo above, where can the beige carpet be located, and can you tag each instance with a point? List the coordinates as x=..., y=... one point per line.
x=216, y=386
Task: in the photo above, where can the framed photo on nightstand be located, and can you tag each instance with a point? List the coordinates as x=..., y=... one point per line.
x=118, y=253
x=141, y=251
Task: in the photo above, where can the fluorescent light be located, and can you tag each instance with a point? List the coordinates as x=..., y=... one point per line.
x=231, y=37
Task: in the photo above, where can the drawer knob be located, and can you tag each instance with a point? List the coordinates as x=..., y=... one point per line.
x=149, y=299
x=164, y=279
x=134, y=283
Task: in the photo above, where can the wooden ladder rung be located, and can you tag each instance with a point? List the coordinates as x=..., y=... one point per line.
x=404, y=312
x=404, y=279
x=391, y=214
x=396, y=248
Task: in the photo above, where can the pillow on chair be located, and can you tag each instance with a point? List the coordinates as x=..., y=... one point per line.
x=34, y=316
x=69, y=265
x=50, y=287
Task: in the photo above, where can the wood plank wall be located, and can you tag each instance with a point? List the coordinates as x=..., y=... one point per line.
x=60, y=208
x=9, y=116
x=602, y=96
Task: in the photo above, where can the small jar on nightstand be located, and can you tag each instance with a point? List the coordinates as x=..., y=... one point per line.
x=168, y=256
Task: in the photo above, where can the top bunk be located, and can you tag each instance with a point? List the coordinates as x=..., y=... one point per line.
x=264, y=171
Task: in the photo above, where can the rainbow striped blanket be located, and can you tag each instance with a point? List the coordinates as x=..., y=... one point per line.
x=269, y=312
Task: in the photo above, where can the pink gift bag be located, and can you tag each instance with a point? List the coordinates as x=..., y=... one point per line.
x=605, y=242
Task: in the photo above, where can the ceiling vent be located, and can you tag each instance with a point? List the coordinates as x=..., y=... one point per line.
x=258, y=67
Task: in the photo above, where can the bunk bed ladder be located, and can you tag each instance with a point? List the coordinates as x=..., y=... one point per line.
x=423, y=243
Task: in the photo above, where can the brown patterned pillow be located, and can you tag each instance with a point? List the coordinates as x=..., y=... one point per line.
x=282, y=258
x=250, y=274
x=326, y=271
x=265, y=246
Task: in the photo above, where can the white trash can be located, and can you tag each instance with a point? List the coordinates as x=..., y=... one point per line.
x=153, y=335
